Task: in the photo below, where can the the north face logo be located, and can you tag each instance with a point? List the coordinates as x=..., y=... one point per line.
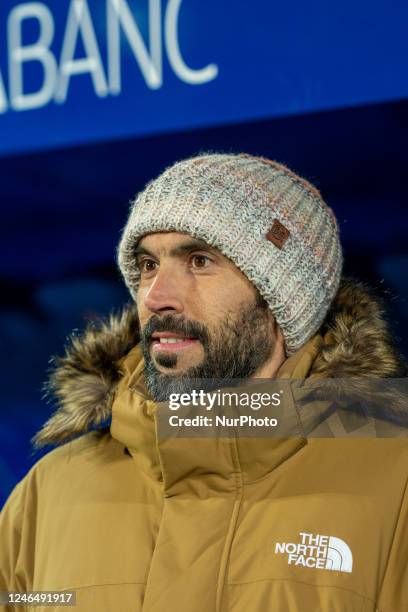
x=318, y=551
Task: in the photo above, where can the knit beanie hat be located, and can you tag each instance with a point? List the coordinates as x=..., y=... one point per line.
x=272, y=224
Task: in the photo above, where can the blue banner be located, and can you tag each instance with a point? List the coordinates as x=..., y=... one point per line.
x=77, y=71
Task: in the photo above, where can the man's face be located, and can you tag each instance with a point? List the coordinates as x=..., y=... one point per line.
x=200, y=317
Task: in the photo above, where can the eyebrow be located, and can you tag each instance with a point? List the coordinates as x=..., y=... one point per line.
x=192, y=245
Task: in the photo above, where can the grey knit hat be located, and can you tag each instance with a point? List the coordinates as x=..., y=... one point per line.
x=271, y=223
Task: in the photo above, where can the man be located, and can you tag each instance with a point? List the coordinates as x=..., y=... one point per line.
x=234, y=264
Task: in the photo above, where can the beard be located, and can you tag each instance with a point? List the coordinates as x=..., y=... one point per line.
x=240, y=345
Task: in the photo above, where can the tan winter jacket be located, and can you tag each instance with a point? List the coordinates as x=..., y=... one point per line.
x=131, y=522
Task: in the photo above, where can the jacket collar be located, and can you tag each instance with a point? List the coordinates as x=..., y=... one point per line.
x=354, y=341
x=227, y=458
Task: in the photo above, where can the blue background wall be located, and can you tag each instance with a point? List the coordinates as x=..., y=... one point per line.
x=311, y=87
x=260, y=59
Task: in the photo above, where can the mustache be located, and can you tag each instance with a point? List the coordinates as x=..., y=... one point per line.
x=182, y=326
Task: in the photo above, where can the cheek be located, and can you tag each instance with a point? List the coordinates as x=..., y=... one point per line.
x=140, y=307
x=141, y=294
x=228, y=297
x=213, y=308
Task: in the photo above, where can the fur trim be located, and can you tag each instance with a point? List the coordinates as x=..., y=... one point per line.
x=356, y=343
x=84, y=379
x=356, y=355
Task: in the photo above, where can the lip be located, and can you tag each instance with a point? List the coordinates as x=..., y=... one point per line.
x=183, y=344
x=169, y=335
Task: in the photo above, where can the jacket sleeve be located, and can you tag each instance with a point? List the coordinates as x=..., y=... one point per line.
x=14, y=537
x=394, y=590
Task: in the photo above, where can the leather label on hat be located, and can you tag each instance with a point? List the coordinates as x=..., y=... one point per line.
x=278, y=234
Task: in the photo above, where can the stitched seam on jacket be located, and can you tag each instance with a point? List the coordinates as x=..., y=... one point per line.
x=225, y=555
x=405, y=493
x=103, y=584
x=286, y=460
x=325, y=586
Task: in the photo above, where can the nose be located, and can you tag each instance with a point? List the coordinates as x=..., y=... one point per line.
x=164, y=294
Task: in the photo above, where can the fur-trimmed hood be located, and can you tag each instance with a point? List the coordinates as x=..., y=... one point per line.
x=356, y=344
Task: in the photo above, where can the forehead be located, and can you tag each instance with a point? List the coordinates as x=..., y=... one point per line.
x=164, y=242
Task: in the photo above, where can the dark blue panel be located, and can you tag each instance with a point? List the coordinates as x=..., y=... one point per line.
x=265, y=59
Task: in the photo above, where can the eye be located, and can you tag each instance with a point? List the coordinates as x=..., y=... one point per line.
x=146, y=265
x=200, y=261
